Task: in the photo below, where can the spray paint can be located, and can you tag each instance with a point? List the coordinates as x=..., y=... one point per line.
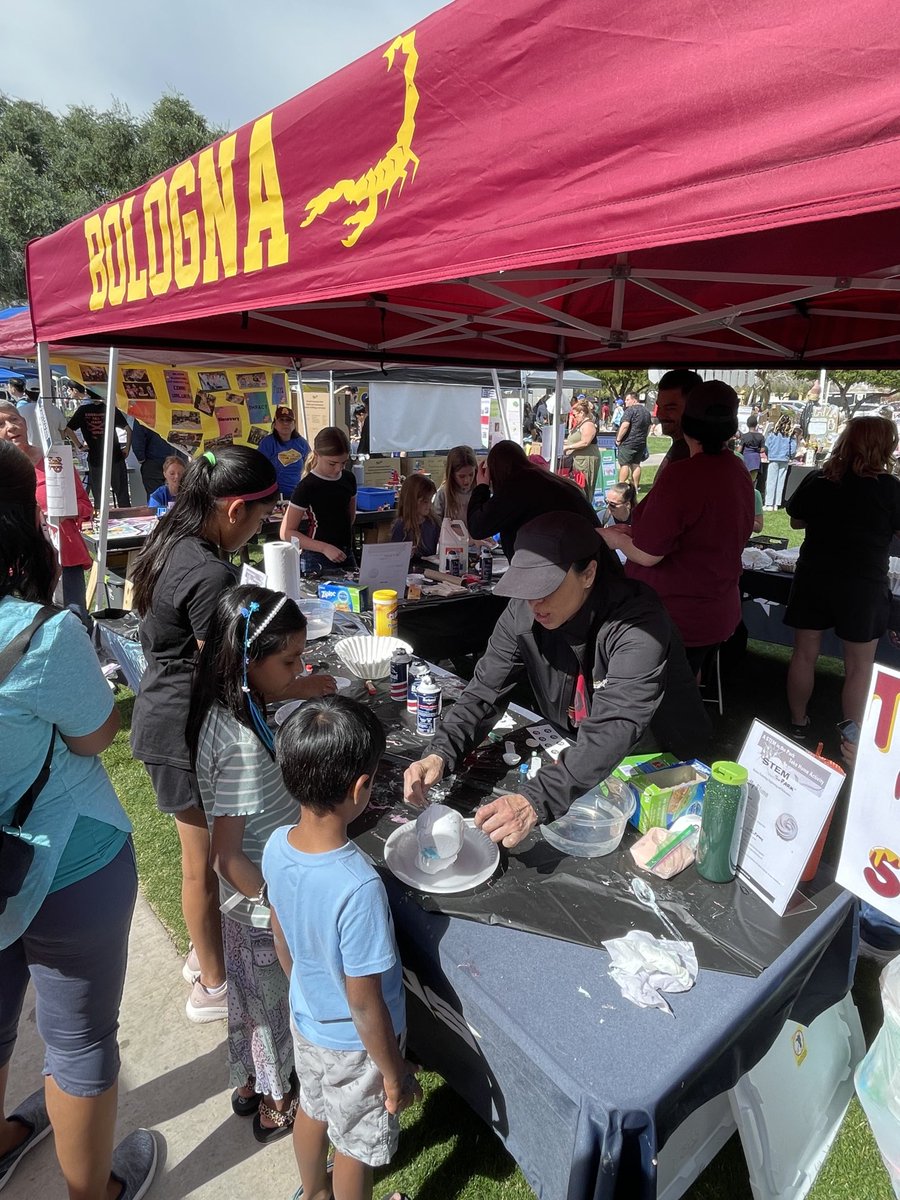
x=415, y=673
x=487, y=564
x=400, y=661
x=428, y=711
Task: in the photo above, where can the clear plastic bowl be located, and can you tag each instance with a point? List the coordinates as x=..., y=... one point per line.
x=319, y=617
x=595, y=823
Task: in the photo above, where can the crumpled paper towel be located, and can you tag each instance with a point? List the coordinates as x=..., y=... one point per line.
x=645, y=966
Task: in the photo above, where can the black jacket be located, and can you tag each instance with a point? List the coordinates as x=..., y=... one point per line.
x=638, y=670
x=528, y=493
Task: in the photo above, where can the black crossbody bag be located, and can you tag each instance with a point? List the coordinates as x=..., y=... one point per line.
x=16, y=853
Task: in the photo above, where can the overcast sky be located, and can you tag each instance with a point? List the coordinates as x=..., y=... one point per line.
x=233, y=59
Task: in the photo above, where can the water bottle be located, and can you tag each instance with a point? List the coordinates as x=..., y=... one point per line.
x=724, y=804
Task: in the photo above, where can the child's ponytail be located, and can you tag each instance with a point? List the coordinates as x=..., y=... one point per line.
x=232, y=471
x=330, y=441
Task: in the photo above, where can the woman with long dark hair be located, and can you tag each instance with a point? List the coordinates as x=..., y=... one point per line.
x=181, y=571
x=850, y=511
x=65, y=928
x=511, y=490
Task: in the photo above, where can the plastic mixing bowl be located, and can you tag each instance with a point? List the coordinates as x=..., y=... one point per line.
x=596, y=821
x=319, y=617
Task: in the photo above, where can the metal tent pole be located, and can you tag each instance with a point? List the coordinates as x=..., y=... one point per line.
x=554, y=460
x=331, y=409
x=504, y=419
x=45, y=383
x=109, y=432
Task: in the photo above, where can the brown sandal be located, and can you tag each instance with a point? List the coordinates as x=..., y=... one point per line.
x=282, y=1122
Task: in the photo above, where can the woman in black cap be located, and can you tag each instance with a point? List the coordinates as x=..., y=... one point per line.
x=603, y=660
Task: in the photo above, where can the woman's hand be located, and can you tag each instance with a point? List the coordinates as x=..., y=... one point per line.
x=419, y=777
x=308, y=687
x=331, y=552
x=482, y=474
x=508, y=819
x=616, y=535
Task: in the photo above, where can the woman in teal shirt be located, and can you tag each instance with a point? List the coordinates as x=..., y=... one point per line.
x=66, y=930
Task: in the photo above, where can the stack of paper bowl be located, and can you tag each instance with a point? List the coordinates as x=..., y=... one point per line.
x=369, y=657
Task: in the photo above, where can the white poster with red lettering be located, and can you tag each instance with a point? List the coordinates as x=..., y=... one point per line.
x=870, y=856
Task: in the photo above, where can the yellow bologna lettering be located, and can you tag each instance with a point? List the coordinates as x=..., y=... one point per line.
x=185, y=226
x=219, y=214
x=264, y=196
x=93, y=233
x=137, y=279
x=113, y=242
x=159, y=272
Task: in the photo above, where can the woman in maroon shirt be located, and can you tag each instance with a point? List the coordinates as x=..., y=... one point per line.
x=687, y=535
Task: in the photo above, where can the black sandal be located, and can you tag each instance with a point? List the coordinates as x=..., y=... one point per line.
x=245, y=1106
x=283, y=1122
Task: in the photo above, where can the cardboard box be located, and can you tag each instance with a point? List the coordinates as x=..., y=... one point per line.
x=666, y=788
x=346, y=597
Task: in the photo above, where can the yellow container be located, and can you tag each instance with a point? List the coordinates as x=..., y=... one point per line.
x=384, y=605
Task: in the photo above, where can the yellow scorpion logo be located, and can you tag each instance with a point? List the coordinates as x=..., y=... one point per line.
x=389, y=170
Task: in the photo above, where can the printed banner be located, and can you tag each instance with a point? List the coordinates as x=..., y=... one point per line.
x=870, y=856
x=194, y=409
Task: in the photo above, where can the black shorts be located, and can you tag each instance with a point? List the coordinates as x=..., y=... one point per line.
x=857, y=610
x=630, y=456
x=176, y=788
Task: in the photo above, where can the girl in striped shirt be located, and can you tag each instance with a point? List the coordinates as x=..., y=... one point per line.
x=251, y=656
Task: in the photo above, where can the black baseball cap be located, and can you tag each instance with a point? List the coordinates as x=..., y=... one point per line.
x=545, y=550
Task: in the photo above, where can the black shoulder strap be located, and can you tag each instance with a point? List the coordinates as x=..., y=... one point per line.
x=14, y=651
x=10, y=655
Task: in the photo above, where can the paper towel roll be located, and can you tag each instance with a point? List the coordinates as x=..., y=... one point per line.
x=282, y=563
x=59, y=474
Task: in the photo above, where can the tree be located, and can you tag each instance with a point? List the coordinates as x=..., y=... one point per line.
x=619, y=383
x=53, y=169
x=886, y=382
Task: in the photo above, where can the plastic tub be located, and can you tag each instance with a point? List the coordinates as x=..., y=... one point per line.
x=319, y=617
x=596, y=821
x=370, y=499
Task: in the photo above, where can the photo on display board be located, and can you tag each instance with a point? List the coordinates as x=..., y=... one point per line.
x=219, y=442
x=213, y=381
x=178, y=385
x=205, y=403
x=278, y=395
x=234, y=398
x=185, y=419
x=140, y=391
x=253, y=379
x=188, y=442
x=143, y=410
x=229, y=420
x=91, y=373
x=257, y=407
x=256, y=435
x=135, y=375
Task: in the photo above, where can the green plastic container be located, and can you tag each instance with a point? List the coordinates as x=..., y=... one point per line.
x=724, y=803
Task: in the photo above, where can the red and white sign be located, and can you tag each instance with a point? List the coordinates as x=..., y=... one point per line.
x=870, y=856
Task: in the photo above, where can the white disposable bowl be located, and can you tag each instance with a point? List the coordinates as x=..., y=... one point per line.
x=368, y=656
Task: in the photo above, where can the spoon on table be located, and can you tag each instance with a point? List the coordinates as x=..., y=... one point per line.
x=645, y=894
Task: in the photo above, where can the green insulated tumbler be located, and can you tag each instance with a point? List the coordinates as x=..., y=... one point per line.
x=724, y=802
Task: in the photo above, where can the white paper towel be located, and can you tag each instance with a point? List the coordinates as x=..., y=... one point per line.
x=59, y=474
x=282, y=563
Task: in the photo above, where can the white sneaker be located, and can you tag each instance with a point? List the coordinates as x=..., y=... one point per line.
x=203, y=1005
x=191, y=968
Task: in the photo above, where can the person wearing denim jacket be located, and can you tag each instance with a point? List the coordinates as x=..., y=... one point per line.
x=780, y=448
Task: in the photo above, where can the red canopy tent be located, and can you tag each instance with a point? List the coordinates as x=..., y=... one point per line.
x=530, y=180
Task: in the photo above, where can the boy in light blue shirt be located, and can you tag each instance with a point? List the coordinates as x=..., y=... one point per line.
x=335, y=939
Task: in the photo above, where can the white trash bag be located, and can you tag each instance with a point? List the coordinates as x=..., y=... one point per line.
x=877, y=1077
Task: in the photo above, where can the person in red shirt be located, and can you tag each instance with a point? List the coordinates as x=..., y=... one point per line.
x=73, y=553
x=687, y=535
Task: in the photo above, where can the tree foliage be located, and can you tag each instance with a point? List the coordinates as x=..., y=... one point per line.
x=620, y=382
x=54, y=169
x=840, y=383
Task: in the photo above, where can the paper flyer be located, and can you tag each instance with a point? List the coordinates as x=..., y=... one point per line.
x=791, y=793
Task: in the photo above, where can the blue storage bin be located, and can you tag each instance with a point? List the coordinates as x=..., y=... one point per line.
x=368, y=499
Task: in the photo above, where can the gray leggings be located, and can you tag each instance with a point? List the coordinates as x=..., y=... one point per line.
x=74, y=951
